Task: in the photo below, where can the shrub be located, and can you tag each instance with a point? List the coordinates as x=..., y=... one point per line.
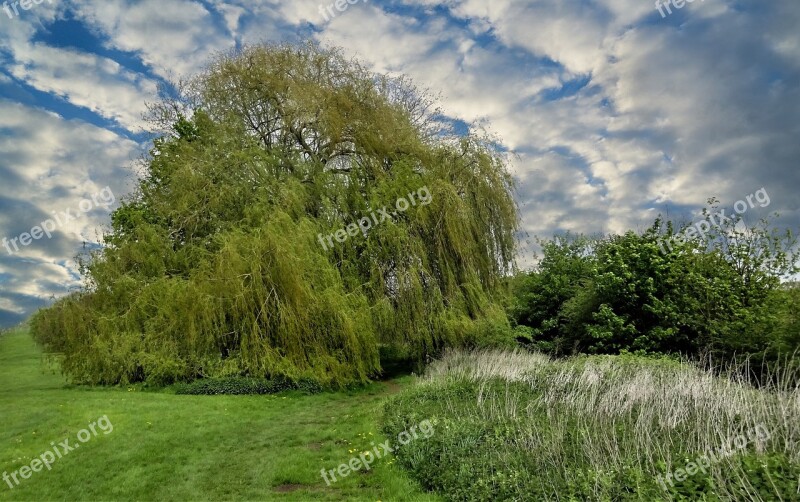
x=630, y=293
x=245, y=386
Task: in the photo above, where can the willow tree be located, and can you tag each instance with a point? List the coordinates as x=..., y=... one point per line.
x=219, y=263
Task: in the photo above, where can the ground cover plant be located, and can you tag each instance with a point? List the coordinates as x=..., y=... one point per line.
x=520, y=426
x=245, y=386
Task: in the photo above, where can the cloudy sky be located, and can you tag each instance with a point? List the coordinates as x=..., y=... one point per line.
x=615, y=112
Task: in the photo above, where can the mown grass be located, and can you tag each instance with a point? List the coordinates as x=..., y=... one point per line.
x=177, y=447
x=515, y=426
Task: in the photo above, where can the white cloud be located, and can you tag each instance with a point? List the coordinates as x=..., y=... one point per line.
x=703, y=103
x=96, y=83
x=174, y=37
x=49, y=165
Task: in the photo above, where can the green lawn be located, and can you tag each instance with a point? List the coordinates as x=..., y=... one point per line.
x=170, y=447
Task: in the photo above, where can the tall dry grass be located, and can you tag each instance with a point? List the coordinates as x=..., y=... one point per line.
x=628, y=410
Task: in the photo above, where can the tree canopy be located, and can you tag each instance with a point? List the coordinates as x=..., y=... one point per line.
x=218, y=264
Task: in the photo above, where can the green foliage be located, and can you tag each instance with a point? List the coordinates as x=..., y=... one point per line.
x=770, y=476
x=521, y=427
x=245, y=386
x=216, y=267
x=539, y=297
x=473, y=456
x=633, y=292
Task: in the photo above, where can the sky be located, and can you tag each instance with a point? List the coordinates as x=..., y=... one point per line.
x=614, y=111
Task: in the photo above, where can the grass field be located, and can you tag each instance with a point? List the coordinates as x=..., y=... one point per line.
x=170, y=447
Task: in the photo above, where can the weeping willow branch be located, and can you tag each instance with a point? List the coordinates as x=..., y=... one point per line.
x=213, y=268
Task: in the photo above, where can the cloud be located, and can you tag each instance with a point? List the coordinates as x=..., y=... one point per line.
x=614, y=113
x=672, y=112
x=55, y=163
x=173, y=37
x=86, y=80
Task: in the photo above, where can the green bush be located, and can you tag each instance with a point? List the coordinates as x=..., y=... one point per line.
x=629, y=292
x=245, y=386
